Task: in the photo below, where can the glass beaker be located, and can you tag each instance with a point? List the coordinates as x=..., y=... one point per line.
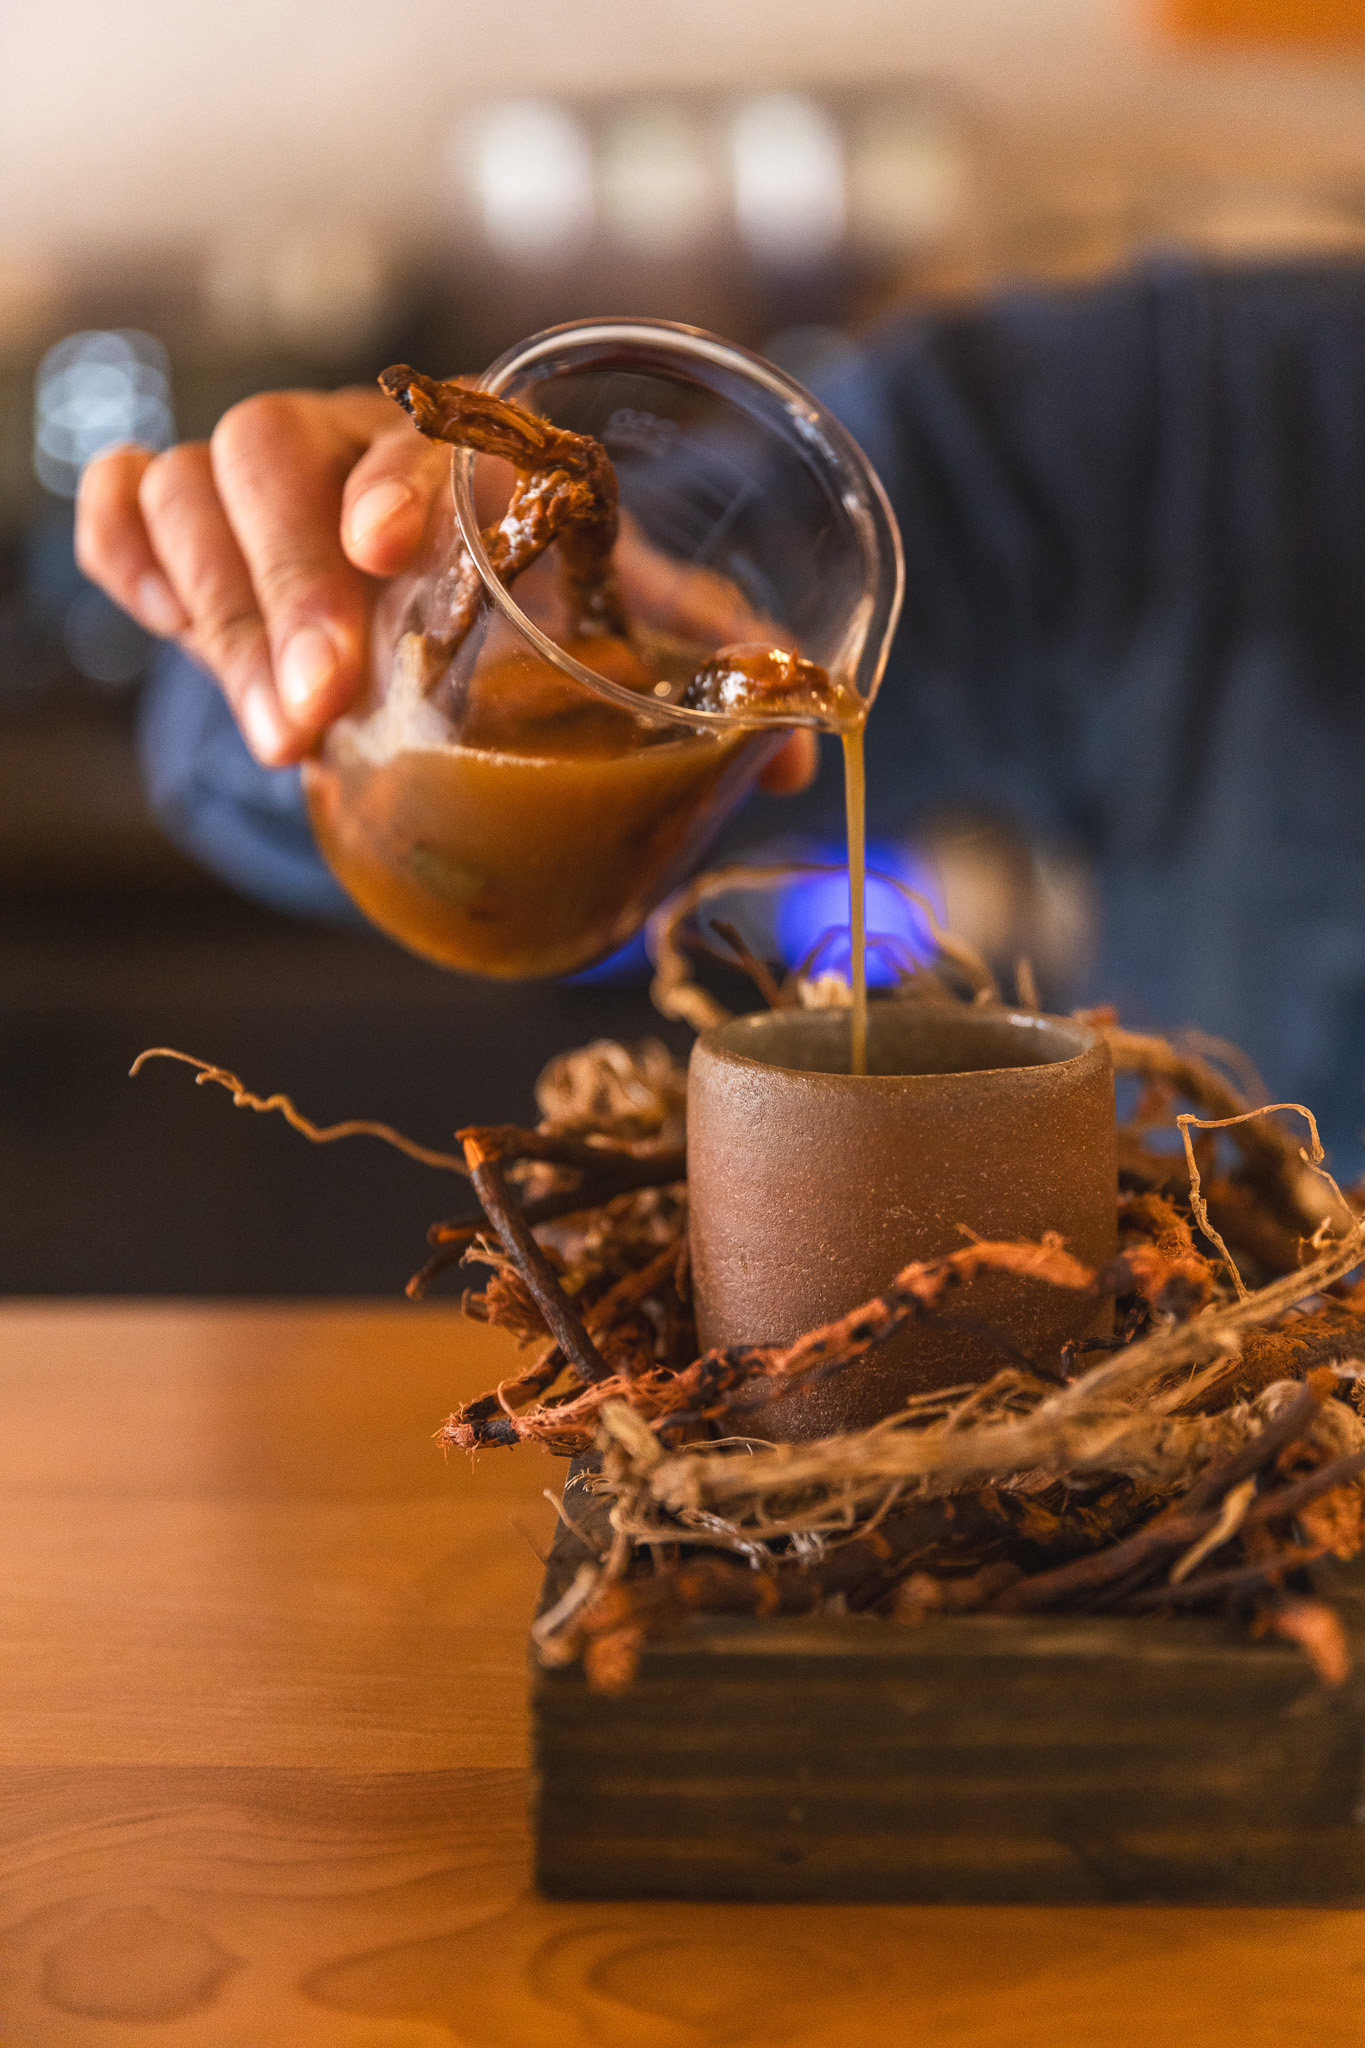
x=521, y=811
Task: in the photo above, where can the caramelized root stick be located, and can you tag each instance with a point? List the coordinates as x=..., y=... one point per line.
x=615, y=1176
x=565, y=491
x=455, y=412
x=561, y=1317
x=725, y=1383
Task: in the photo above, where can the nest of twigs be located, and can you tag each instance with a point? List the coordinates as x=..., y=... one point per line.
x=1206, y=1459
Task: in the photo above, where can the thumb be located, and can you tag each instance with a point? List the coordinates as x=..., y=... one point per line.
x=387, y=498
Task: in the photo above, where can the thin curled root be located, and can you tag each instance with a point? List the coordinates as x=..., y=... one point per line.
x=1312, y=1161
x=565, y=491
x=1273, y=1159
x=280, y=1105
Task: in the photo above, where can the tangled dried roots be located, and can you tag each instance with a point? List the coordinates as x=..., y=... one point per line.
x=1206, y=1455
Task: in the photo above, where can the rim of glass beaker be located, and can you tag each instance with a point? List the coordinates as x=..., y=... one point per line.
x=665, y=338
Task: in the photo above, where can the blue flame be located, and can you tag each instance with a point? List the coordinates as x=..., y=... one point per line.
x=811, y=922
x=812, y=916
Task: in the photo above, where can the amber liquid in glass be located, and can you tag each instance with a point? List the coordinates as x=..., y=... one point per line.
x=543, y=837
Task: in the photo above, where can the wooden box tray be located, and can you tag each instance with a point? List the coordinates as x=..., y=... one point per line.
x=967, y=1760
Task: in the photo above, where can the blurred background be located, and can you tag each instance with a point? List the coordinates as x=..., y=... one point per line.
x=200, y=203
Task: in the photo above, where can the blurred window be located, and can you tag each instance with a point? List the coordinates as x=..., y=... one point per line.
x=93, y=391
x=788, y=164
x=533, y=174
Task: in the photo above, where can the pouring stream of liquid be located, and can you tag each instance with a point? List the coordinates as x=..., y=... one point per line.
x=856, y=824
x=772, y=681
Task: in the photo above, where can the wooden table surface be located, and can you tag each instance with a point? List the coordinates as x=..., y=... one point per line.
x=262, y=1751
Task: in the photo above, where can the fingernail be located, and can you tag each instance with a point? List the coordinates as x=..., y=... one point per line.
x=374, y=506
x=306, y=669
x=159, y=607
x=262, y=724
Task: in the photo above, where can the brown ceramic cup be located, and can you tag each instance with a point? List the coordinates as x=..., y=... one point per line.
x=810, y=1187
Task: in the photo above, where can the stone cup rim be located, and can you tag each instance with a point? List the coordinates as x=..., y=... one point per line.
x=716, y=1044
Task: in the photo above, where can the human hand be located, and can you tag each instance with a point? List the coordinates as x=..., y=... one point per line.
x=264, y=550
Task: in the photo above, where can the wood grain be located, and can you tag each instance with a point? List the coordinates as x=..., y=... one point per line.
x=263, y=1738
x=977, y=1761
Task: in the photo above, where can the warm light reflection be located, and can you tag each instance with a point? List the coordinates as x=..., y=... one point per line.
x=533, y=175
x=789, y=179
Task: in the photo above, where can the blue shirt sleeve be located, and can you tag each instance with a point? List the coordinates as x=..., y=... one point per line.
x=246, y=824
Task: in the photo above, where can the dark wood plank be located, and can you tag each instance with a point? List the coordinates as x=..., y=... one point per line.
x=969, y=1760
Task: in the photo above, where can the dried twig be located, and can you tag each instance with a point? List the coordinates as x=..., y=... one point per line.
x=725, y=1384
x=486, y=1170
x=1189, y=1521
x=1111, y=1419
x=1240, y=1580
x=1272, y=1157
x=609, y=1621
x=1312, y=1161
x=609, y=1629
x=1254, y=1455
x=606, y=1172
x=758, y=971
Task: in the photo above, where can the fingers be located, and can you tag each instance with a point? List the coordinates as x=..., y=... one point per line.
x=387, y=499
x=196, y=548
x=260, y=552
x=687, y=598
x=112, y=545
x=279, y=464
x=793, y=767
x=151, y=531
x=323, y=495
x=238, y=551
